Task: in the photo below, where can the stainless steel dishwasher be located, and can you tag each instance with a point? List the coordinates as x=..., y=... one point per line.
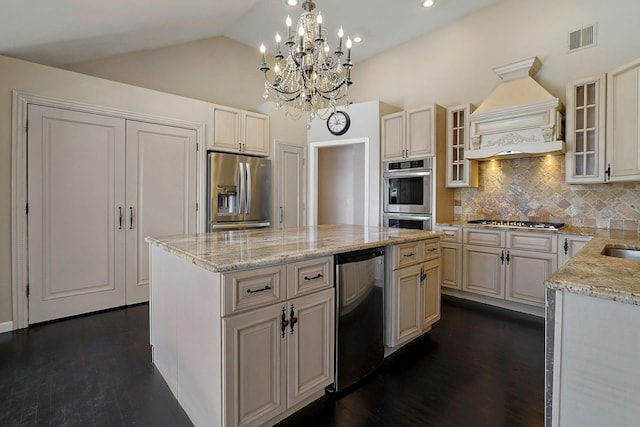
x=359, y=315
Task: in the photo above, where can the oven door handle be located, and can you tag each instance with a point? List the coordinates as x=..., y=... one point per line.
x=411, y=174
x=409, y=217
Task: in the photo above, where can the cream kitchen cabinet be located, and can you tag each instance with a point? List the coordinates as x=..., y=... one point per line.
x=236, y=348
x=239, y=131
x=277, y=356
x=98, y=185
x=508, y=265
x=451, y=254
x=412, y=303
x=603, y=118
x=461, y=172
x=585, y=130
x=623, y=123
x=413, y=133
x=569, y=246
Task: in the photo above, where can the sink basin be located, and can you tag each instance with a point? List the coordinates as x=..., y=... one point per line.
x=626, y=253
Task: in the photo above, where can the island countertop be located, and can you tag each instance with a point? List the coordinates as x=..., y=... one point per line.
x=238, y=249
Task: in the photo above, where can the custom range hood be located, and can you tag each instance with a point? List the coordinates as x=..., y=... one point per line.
x=519, y=119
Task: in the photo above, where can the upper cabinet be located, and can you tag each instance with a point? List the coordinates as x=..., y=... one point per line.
x=585, y=130
x=461, y=172
x=239, y=131
x=411, y=134
x=603, y=140
x=623, y=119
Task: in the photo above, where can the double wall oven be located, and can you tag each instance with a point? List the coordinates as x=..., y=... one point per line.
x=407, y=187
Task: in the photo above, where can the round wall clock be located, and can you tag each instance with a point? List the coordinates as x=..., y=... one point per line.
x=338, y=123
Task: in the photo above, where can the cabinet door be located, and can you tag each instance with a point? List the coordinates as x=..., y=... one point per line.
x=393, y=146
x=451, y=271
x=225, y=129
x=430, y=296
x=420, y=139
x=569, y=246
x=623, y=121
x=585, y=130
x=483, y=271
x=254, y=365
x=76, y=193
x=255, y=134
x=460, y=171
x=526, y=273
x=161, y=194
x=406, y=318
x=310, y=345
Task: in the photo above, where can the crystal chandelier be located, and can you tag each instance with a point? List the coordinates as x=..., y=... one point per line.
x=308, y=80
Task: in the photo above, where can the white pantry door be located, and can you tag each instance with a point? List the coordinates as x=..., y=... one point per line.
x=161, y=194
x=290, y=185
x=75, y=194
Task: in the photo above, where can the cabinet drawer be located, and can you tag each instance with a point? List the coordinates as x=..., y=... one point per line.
x=308, y=276
x=452, y=235
x=532, y=241
x=483, y=237
x=431, y=249
x=407, y=254
x=246, y=289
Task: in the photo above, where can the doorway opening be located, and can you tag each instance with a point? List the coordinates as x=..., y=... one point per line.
x=339, y=182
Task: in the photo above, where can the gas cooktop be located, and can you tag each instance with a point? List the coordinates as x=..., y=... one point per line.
x=517, y=224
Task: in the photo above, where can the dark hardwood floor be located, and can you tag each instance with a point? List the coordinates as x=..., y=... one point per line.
x=480, y=366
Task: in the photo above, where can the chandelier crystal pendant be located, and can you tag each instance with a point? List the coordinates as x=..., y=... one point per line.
x=308, y=81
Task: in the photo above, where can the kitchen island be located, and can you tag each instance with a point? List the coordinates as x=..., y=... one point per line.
x=592, y=338
x=242, y=322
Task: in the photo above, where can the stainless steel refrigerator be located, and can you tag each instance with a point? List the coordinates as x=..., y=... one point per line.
x=239, y=190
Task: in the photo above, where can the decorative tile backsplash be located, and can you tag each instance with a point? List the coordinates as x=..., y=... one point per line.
x=534, y=189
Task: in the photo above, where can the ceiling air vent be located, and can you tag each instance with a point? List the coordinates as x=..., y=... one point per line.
x=582, y=38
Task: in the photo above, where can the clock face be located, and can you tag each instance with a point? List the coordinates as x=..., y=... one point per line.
x=338, y=123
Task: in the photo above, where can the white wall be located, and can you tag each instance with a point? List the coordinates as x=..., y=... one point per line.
x=453, y=65
x=217, y=70
x=53, y=82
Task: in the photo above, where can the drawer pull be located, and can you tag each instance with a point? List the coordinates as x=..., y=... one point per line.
x=251, y=291
x=409, y=255
x=449, y=234
x=317, y=276
x=432, y=250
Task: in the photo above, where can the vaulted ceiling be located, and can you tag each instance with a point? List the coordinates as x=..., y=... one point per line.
x=62, y=32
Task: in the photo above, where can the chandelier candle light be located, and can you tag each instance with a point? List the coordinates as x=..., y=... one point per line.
x=309, y=80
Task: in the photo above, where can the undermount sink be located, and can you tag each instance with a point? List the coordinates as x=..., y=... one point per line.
x=626, y=253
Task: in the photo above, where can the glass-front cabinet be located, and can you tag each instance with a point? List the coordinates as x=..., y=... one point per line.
x=461, y=172
x=585, y=130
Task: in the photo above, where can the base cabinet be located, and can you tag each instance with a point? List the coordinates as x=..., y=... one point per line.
x=236, y=349
x=569, y=246
x=413, y=292
x=276, y=357
x=508, y=265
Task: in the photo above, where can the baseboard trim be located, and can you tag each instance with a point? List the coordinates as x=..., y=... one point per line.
x=6, y=327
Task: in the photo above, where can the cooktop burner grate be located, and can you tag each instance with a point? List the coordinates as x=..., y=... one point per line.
x=518, y=224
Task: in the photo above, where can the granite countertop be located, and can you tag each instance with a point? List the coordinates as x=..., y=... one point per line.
x=238, y=249
x=593, y=274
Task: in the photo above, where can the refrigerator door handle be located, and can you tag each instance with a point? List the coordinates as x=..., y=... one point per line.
x=248, y=189
x=241, y=197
